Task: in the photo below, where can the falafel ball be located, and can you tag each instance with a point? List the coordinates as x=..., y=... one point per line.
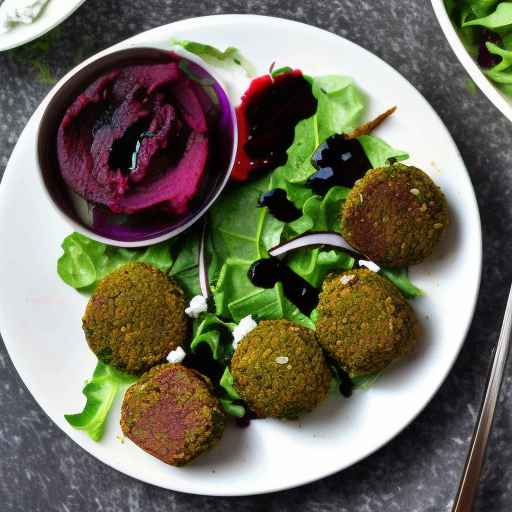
x=135, y=317
x=172, y=414
x=279, y=370
x=364, y=322
x=394, y=215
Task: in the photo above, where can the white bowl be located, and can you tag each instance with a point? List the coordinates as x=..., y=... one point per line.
x=501, y=101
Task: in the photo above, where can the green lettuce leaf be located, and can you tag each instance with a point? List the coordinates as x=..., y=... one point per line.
x=230, y=401
x=240, y=234
x=500, y=18
x=231, y=56
x=214, y=332
x=226, y=382
x=106, y=384
x=85, y=262
x=400, y=278
x=340, y=108
x=379, y=152
x=365, y=381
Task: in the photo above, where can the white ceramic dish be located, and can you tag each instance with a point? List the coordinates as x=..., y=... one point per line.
x=40, y=315
x=54, y=13
x=501, y=101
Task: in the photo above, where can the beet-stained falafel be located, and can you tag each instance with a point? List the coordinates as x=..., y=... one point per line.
x=394, y=215
x=172, y=414
x=279, y=370
x=135, y=317
x=364, y=322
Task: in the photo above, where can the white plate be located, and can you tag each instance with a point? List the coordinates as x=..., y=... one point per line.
x=54, y=13
x=501, y=101
x=40, y=315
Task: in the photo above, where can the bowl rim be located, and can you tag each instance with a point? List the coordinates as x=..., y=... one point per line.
x=495, y=96
x=80, y=228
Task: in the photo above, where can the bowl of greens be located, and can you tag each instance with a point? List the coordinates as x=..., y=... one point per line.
x=480, y=34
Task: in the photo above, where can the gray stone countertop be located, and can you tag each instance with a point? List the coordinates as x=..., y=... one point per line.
x=42, y=470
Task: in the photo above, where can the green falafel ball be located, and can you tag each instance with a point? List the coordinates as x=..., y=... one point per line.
x=279, y=370
x=364, y=322
x=135, y=317
x=172, y=414
x=394, y=215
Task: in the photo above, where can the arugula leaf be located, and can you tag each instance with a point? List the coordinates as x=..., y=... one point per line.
x=106, y=384
x=501, y=17
x=231, y=56
x=85, y=262
x=400, y=278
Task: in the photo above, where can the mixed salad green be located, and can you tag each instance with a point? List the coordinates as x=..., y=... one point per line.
x=238, y=235
x=485, y=27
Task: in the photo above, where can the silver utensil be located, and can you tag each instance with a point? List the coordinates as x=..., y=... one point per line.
x=475, y=460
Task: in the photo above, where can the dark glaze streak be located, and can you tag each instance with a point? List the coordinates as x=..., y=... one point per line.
x=339, y=161
x=279, y=205
x=267, y=272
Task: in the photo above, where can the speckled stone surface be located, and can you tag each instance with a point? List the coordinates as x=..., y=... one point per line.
x=42, y=470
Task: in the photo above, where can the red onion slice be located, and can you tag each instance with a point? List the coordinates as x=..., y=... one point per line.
x=326, y=238
x=202, y=265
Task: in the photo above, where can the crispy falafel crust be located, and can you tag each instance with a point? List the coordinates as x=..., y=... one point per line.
x=364, y=322
x=394, y=215
x=280, y=371
x=172, y=414
x=135, y=317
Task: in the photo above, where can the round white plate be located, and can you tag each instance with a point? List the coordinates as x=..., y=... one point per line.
x=501, y=101
x=40, y=316
x=53, y=14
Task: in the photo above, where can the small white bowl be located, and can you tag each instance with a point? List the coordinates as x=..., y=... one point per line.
x=148, y=229
x=501, y=101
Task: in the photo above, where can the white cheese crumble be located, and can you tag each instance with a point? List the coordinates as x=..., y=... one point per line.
x=197, y=305
x=281, y=360
x=176, y=356
x=346, y=279
x=414, y=192
x=14, y=12
x=370, y=265
x=245, y=326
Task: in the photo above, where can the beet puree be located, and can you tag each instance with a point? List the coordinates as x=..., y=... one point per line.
x=267, y=116
x=135, y=138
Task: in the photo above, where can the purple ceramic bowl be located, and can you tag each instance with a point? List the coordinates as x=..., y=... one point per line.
x=146, y=227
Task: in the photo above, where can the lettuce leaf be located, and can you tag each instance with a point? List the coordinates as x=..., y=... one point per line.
x=214, y=332
x=240, y=234
x=106, y=385
x=400, y=278
x=85, y=262
x=340, y=108
x=231, y=399
x=500, y=18
x=231, y=56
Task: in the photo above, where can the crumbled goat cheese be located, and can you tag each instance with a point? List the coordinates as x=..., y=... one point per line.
x=281, y=360
x=197, y=305
x=176, y=356
x=370, y=265
x=246, y=325
x=346, y=279
x=14, y=12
